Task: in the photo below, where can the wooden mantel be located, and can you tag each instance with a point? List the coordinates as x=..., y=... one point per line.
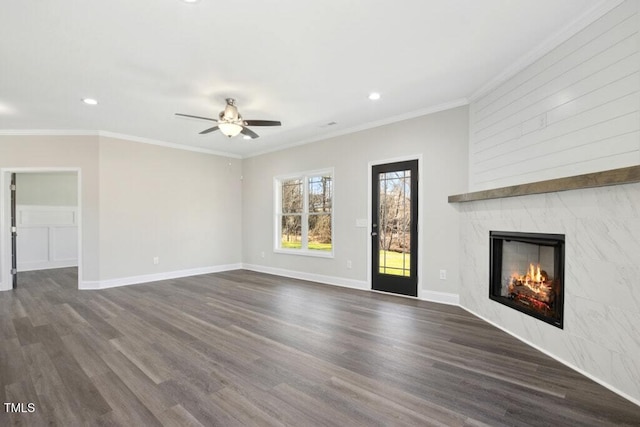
x=590, y=180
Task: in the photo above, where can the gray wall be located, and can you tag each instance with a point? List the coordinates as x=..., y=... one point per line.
x=440, y=138
x=180, y=206
x=47, y=189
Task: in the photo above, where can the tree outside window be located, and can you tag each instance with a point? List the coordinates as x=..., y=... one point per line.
x=292, y=210
x=320, y=200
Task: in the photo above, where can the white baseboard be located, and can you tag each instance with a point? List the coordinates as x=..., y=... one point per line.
x=440, y=297
x=433, y=296
x=329, y=280
x=146, y=278
x=46, y=265
x=559, y=359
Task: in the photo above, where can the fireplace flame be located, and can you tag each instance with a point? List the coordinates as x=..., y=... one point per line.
x=535, y=275
x=534, y=281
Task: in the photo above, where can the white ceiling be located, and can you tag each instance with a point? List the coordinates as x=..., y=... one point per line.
x=306, y=63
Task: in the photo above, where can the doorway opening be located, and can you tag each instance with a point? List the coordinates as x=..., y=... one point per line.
x=40, y=226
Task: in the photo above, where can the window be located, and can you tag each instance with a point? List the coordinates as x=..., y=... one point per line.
x=304, y=213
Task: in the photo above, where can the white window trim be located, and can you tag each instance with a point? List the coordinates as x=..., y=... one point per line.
x=277, y=197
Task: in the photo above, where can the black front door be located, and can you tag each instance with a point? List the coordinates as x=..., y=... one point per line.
x=394, y=228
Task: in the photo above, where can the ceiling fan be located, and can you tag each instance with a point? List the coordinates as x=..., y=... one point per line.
x=231, y=123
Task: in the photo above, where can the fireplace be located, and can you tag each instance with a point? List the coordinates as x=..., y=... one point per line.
x=527, y=273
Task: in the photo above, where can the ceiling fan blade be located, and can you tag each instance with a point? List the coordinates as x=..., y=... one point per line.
x=249, y=132
x=209, y=130
x=262, y=123
x=195, y=117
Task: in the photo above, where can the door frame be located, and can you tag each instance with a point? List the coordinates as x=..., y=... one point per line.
x=421, y=250
x=5, y=218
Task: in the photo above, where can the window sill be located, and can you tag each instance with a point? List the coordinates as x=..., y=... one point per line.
x=304, y=252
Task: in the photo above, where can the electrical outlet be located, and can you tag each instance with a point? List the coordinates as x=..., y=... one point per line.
x=349, y=264
x=156, y=260
x=262, y=254
x=443, y=274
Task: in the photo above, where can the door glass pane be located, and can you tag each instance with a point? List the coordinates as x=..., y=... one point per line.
x=320, y=232
x=291, y=235
x=394, y=222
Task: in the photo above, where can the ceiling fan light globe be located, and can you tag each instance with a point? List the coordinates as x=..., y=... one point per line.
x=230, y=129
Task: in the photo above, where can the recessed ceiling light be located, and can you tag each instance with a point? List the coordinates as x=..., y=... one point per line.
x=190, y=1
x=246, y=137
x=90, y=101
x=374, y=96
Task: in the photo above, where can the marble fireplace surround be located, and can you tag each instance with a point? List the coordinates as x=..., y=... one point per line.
x=599, y=214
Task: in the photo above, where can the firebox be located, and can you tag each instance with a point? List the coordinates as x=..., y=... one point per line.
x=527, y=273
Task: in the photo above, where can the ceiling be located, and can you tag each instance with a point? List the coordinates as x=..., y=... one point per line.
x=305, y=63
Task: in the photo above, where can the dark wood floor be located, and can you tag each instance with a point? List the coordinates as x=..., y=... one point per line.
x=244, y=348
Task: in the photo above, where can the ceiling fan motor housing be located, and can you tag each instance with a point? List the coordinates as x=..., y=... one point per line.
x=230, y=114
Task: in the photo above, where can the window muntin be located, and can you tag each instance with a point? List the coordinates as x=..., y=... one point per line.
x=304, y=217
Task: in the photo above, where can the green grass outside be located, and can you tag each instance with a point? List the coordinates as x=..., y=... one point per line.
x=312, y=245
x=320, y=246
x=394, y=261
x=291, y=245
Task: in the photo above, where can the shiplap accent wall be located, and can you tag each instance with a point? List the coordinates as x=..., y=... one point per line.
x=573, y=111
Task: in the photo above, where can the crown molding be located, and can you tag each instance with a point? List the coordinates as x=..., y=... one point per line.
x=106, y=134
x=47, y=132
x=552, y=42
x=389, y=120
x=166, y=144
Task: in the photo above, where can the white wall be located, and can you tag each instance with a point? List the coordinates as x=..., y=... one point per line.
x=47, y=237
x=574, y=111
x=441, y=139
